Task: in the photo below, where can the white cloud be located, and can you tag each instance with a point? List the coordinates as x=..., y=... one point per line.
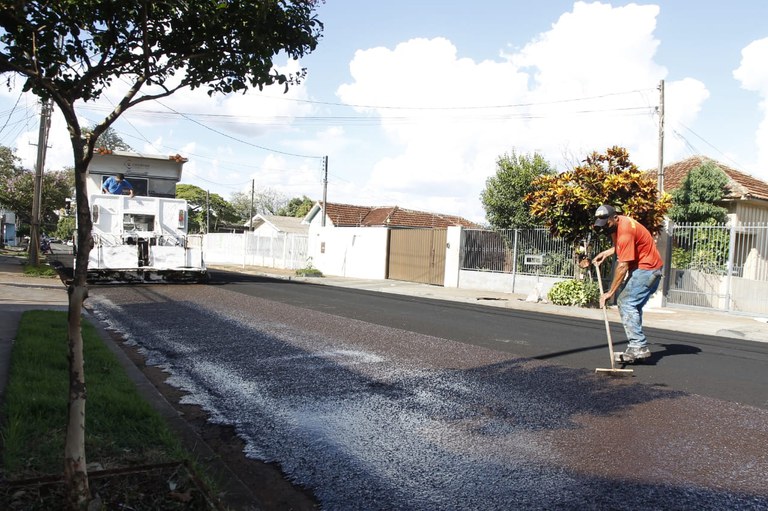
x=564, y=83
x=244, y=116
x=753, y=75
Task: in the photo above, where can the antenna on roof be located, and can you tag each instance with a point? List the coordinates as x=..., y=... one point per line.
x=325, y=187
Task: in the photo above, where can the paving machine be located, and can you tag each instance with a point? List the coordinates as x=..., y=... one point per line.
x=143, y=239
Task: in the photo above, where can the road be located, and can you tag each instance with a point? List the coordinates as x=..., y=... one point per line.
x=377, y=401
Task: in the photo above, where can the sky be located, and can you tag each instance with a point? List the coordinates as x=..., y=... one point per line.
x=414, y=101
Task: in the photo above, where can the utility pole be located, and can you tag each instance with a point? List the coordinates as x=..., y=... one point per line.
x=325, y=186
x=661, y=138
x=253, y=185
x=37, y=197
x=665, y=240
x=207, y=212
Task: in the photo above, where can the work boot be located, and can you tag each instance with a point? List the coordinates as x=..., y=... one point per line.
x=632, y=354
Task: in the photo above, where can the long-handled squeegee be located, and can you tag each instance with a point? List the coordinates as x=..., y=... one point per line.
x=613, y=371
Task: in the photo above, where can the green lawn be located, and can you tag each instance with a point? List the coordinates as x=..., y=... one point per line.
x=121, y=428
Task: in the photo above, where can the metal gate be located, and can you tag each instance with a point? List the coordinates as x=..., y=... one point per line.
x=417, y=255
x=721, y=267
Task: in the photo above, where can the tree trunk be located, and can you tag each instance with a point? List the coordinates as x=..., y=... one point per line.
x=75, y=473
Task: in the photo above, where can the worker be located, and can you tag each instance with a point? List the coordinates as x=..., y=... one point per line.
x=117, y=185
x=636, y=276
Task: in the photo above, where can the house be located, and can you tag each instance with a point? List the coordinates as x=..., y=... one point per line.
x=8, y=228
x=382, y=242
x=746, y=198
x=733, y=268
x=347, y=215
x=271, y=226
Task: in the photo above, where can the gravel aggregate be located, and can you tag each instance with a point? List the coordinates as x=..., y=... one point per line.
x=371, y=417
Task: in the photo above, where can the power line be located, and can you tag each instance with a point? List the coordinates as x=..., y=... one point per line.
x=235, y=138
x=285, y=120
x=475, y=107
x=7, y=119
x=735, y=163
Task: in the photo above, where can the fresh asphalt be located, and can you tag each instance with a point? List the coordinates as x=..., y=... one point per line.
x=715, y=366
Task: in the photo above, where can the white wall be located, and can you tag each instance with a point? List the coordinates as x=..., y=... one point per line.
x=224, y=248
x=359, y=252
x=452, y=257
x=504, y=282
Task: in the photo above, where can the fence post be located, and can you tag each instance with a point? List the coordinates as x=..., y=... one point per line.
x=514, y=262
x=284, y=235
x=667, y=239
x=729, y=265
x=245, y=247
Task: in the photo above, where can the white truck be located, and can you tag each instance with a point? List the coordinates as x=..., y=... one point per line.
x=144, y=237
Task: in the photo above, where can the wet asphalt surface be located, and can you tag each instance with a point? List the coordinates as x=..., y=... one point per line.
x=369, y=416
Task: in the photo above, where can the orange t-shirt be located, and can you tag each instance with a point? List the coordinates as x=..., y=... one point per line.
x=635, y=245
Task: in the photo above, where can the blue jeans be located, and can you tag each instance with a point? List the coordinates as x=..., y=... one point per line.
x=633, y=295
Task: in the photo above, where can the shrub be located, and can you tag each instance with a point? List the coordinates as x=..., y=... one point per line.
x=574, y=292
x=309, y=270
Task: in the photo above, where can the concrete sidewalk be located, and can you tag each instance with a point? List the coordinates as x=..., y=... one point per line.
x=19, y=293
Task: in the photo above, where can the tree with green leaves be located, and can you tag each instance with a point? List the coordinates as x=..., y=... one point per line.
x=205, y=208
x=505, y=192
x=10, y=164
x=297, y=207
x=16, y=194
x=109, y=139
x=567, y=202
x=17, y=189
x=266, y=201
x=70, y=52
x=695, y=201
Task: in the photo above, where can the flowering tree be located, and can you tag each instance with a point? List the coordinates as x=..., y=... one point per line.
x=17, y=189
x=70, y=52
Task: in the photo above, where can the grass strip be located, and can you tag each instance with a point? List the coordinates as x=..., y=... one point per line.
x=42, y=270
x=121, y=428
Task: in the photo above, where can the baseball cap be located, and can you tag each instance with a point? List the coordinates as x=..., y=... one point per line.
x=603, y=213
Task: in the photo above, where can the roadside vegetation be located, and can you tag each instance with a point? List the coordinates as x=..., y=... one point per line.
x=41, y=270
x=123, y=429
x=30, y=270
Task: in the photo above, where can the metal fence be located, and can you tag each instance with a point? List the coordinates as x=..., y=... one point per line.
x=287, y=250
x=720, y=266
x=521, y=252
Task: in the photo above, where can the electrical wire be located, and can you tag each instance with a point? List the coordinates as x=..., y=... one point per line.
x=733, y=162
x=10, y=114
x=475, y=107
x=235, y=138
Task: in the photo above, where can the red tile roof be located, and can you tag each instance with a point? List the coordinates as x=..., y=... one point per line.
x=347, y=215
x=740, y=185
